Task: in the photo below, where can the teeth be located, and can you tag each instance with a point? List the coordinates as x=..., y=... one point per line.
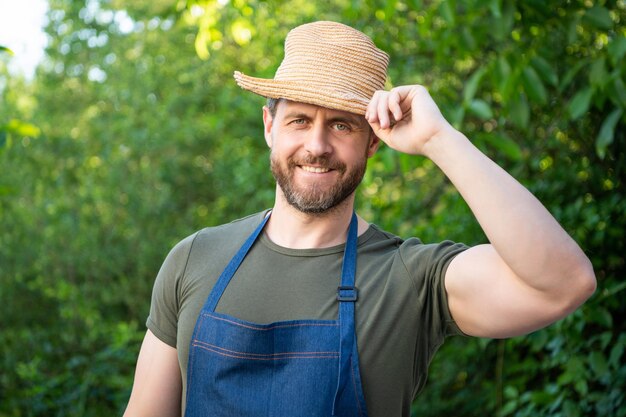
x=316, y=170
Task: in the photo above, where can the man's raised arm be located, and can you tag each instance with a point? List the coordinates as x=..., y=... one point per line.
x=532, y=273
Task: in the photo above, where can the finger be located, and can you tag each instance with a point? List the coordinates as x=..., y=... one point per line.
x=394, y=105
x=382, y=134
x=371, y=115
x=382, y=109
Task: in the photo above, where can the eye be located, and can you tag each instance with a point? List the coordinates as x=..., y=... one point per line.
x=298, y=121
x=342, y=127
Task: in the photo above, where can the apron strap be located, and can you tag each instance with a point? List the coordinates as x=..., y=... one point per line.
x=347, y=295
x=231, y=268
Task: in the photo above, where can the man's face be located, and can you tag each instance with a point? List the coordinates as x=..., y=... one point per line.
x=318, y=155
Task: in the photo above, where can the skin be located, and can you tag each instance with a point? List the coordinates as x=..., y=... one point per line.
x=529, y=275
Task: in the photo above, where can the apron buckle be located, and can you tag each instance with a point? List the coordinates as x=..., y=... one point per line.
x=347, y=293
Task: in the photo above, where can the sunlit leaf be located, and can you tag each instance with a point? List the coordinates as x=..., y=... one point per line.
x=201, y=44
x=242, y=31
x=20, y=128
x=6, y=50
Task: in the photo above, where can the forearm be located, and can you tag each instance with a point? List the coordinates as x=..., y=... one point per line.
x=522, y=231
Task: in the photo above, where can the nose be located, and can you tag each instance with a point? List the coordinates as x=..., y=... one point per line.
x=317, y=142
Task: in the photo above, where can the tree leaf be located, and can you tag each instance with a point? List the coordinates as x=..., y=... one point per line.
x=616, y=354
x=481, y=109
x=601, y=316
x=580, y=103
x=20, y=128
x=599, y=17
x=598, y=75
x=533, y=86
x=504, y=144
x=495, y=8
x=456, y=116
x=545, y=70
x=607, y=132
x=7, y=50
x=472, y=85
x=519, y=112
x=617, y=48
x=570, y=74
x=503, y=25
x=447, y=10
x=619, y=90
x=598, y=363
x=202, y=39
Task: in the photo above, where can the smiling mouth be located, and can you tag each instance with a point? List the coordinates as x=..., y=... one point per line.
x=315, y=170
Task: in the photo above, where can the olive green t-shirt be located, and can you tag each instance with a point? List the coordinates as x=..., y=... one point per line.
x=401, y=314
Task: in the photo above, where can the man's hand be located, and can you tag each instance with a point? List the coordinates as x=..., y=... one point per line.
x=406, y=118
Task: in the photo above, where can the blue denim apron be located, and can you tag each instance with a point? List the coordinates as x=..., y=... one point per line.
x=290, y=368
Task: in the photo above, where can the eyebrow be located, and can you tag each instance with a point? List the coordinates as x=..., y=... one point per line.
x=347, y=119
x=297, y=115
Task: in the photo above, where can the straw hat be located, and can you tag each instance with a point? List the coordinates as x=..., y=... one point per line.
x=327, y=64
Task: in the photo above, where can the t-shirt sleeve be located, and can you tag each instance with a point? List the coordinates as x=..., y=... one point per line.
x=164, y=306
x=427, y=265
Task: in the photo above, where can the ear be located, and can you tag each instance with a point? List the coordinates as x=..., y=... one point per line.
x=268, y=121
x=373, y=145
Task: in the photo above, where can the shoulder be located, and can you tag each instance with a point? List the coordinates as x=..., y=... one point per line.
x=418, y=257
x=232, y=233
x=213, y=239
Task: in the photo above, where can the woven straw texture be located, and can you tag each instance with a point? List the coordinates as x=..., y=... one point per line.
x=327, y=64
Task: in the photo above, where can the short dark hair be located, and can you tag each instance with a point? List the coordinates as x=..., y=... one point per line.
x=272, y=104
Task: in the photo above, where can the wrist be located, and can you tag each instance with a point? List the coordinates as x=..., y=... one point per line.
x=441, y=141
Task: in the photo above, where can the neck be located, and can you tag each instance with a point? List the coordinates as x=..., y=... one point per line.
x=291, y=228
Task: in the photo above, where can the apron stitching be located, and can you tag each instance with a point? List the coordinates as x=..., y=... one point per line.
x=263, y=359
x=251, y=326
x=356, y=396
x=201, y=343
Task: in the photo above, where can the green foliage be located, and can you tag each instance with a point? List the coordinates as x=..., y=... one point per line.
x=133, y=135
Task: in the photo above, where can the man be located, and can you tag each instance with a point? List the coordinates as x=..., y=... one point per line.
x=309, y=310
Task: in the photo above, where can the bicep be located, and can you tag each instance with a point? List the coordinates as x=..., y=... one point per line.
x=487, y=299
x=157, y=385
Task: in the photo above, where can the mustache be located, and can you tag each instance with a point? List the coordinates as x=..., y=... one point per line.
x=321, y=161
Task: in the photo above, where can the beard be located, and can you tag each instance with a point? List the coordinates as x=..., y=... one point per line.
x=315, y=198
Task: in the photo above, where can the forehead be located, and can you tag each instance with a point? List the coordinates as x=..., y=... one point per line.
x=287, y=107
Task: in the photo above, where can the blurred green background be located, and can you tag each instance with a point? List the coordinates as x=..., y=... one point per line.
x=132, y=135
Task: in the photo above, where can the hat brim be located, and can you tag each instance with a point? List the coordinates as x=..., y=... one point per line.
x=305, y=92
